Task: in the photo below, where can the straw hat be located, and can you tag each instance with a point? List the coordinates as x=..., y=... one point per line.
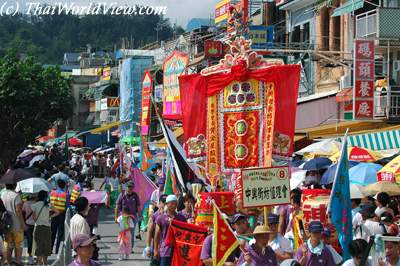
x=259, y=230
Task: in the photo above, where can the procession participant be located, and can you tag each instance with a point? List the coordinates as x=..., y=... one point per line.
x=42, y=232
x=78, y=223
x=392, y=252
x=390, y=227
x=60, y=175
x=382, y=200
x=30, y=225
x=326, y=238
x=355, y=212
x=130, y=199
x=59, y=200
x=206, y=253
x=162, y=252
x=259, y=253
x=15, y=236
x=84, y=248
x=357, y=248
x=279, y=244
x=314, y=252
x=155, y=195
x=188, y=201
x=369, y=227
x=125, y=223
x=241, y=227
x=151, y=227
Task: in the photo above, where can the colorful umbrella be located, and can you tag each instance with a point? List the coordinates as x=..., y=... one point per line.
x=364, y=173
x=356, y=191
x=389, y=187
x=317, y=164
x=359, y=154
x=325, y=147
x=329, y=175
x=19, y=174
x=44, y=139
x=33, y=185
x=391, y=171
x=75, y=142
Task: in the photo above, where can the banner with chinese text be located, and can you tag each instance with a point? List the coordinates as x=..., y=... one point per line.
x=173, y=67
x=224, y=200
x=265, y=186
x=187, y=241
x=364, y=76
x=147, y=84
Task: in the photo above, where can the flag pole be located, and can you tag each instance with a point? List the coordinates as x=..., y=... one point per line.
x=337, y=170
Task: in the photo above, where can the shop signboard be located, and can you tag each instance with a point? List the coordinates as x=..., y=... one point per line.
x=364, y=75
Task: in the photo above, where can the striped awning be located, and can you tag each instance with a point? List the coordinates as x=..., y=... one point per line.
x=385, y=140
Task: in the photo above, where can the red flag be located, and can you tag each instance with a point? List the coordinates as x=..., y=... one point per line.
x=187, y=240
x=224, y=241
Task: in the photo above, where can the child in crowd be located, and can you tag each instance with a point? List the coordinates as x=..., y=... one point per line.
x=125, y=222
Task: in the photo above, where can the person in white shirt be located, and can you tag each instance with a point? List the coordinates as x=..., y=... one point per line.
x=326, y=238
x=382, y=200
x=78, y=224
x=280, y=245
x=357, y=248
x=369, y=227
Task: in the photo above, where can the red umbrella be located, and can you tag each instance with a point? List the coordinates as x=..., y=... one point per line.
x=75, y=142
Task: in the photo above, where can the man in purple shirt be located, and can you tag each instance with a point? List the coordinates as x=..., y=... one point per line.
x=259, y=253
x=161, y=251
x=83, y=246
x=206, y=253
x=314, y=251
x=129, y=199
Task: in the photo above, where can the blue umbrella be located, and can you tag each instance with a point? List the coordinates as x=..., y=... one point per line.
x=317, y=164
x=329, y=175
x=364, y=173
x=296, y=163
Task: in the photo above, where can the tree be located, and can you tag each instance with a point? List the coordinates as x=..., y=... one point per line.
x=31, y=99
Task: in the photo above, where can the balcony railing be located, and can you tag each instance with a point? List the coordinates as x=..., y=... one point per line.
x=388, y=105
x=381, y=23
x=366, y=24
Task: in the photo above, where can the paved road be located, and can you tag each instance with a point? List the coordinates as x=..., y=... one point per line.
x=109, y=246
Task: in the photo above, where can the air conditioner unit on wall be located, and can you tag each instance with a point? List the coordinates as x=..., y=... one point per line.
x=396, y=65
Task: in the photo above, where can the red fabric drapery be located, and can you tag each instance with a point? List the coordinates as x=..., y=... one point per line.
x=195, y=89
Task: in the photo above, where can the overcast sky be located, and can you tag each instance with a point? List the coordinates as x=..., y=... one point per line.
x=179, y=11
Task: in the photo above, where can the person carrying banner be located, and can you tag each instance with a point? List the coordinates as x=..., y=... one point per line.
x=259, y=253
x=162, y=252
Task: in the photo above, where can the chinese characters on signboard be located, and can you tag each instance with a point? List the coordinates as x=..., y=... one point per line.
x=364, y=74
x=265, y=187
x=261, y=36
x=147, y=85
x=222, y=11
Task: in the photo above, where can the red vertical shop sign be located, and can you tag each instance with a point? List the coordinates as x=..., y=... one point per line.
x=364, y=75
x=147, y=85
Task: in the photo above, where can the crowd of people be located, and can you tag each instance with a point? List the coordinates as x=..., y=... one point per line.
x=39, y=218
x=272, y=242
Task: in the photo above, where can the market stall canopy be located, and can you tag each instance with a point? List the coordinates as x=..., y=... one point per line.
x=337, y=130
x=326, y=147
x=364, y=173
x=389, y=187
x=348, y=7
x=108, y=126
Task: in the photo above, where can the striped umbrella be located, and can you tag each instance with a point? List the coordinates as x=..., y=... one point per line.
x=360, y=155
